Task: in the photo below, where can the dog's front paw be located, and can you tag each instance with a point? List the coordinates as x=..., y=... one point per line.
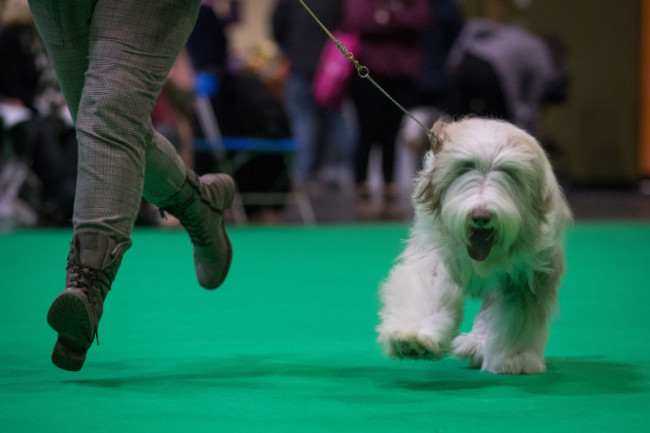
x=470, y=347
x=520, y=363
x=418, y=345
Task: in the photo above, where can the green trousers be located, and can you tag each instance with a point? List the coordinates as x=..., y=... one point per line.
x=112, y=58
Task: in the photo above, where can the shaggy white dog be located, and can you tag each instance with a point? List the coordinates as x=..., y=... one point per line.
x=489, y=223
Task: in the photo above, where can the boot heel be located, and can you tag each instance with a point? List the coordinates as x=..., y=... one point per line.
x=67, y=356
x=226, y=187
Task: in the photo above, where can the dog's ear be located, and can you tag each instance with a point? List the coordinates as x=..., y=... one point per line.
x=424, y=191
x=438, y=135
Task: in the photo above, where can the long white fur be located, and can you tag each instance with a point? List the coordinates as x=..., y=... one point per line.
x=495, y=166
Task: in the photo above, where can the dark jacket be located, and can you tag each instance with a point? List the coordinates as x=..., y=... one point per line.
x=18, y=74
x=390, y=32
x=298, y=34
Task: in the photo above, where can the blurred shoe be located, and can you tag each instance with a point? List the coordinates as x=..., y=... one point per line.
x=199, y=206
x=364, y=206
x=391, y=209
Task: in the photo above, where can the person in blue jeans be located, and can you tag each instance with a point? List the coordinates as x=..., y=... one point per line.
x=323, y=134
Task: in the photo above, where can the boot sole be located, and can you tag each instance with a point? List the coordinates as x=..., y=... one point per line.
x=228, y=185
x=68, y=316
x=229, y=259
x=229, y=195
x=67, y=357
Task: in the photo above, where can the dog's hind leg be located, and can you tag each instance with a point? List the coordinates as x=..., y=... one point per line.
x=421, y=312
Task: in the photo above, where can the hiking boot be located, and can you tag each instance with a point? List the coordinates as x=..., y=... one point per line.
x=200, y=206
x=92, y=264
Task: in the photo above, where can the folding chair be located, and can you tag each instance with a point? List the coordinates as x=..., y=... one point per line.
x=246, y=148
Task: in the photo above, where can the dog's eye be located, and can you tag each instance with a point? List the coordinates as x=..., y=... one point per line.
x=465, y=166
x=509, y=171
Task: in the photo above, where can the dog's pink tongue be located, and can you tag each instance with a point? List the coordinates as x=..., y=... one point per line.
x=480, y=244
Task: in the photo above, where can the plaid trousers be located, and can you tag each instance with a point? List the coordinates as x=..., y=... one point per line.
x=112, y=58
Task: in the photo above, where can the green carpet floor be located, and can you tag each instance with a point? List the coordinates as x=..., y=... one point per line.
x=287, y=344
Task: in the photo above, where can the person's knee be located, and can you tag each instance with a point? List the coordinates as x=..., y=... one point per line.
x=114, y=116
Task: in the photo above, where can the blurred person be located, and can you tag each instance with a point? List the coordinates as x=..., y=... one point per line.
x=19, y=74
x=112, y=59
x=325, y=135
x=390, y=33
x=500, y=70
x=436, y=42
x=37, y=137
x=249, y=106
x=434, y=96
x=207, y=45
x=207, y=52
x=245, y=96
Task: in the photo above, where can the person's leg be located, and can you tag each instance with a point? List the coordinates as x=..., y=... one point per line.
x=302, y=112
x=390, y=122
x=130, y=47
x=75, y=313
x=130, y=56
x=64, y=28
x=367, y=104
x=340, y=137
x=111, y=59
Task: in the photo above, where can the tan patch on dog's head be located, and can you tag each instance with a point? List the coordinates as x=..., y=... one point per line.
x=438, y=135
x=425, y=191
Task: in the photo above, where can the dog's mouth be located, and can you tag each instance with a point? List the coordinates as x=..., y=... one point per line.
x=480, y=244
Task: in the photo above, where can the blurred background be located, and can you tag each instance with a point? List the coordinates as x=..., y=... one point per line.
x=261, y=93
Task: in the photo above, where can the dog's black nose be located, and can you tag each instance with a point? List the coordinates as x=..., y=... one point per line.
x=481, y=217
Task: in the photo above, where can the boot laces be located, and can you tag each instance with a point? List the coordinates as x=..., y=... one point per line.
x=191, y=221
x=196, y=229
x=84, y=278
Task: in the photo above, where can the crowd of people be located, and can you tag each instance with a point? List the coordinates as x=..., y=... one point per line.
x=423, y=53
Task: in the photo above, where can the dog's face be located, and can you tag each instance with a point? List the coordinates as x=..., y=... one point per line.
x=488, y=184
